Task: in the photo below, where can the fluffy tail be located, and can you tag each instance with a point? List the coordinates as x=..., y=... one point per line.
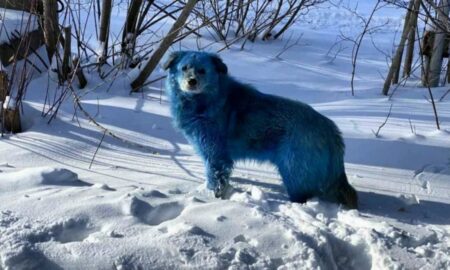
x=346, y=193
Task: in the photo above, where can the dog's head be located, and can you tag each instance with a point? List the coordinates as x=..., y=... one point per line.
x=195, y=72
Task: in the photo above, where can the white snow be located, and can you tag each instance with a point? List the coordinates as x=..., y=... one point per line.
x=13, y=22
x=100, y=48
x=143, y=204
x=35, y=177
x=9, y=103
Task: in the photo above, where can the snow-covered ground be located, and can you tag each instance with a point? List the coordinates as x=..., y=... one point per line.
x=15, y=23
x=145, y=207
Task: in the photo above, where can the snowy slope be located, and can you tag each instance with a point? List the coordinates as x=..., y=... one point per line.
x=145, y=206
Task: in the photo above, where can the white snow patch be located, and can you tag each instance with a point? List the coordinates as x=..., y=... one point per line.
x=12, y=21
x=34, y=177
x=409, y=199
x=9, y=103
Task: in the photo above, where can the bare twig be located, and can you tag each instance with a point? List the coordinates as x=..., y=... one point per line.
x=377, y=133
x=289, y=45
x=96, y=150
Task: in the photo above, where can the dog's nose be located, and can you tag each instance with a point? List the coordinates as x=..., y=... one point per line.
x=192, y=82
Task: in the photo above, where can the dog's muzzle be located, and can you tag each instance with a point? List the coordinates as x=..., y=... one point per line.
x=192, y=82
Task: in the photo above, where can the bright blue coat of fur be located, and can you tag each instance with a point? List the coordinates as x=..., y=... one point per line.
x=227, y=121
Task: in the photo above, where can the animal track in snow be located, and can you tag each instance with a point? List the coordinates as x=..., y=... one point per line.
x=152, y=215
x=154, y=194
x=72, y=230
x=163, y=212
x=195, y=230
x=20, y=236
x=39, y=177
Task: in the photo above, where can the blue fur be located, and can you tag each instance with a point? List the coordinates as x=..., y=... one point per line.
x=230, y=121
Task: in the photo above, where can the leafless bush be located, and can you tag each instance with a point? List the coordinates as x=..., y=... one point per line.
x=111, y=50
x=238, y=19
x=368, y=29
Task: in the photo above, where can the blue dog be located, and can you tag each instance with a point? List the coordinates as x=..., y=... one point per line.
x=227, y=121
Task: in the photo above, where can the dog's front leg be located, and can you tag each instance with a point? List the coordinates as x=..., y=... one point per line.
x=218, y=172
x=217, y=161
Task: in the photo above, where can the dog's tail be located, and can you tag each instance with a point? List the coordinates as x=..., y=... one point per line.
x=346, y=193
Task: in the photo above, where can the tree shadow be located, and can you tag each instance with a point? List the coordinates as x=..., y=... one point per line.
x=76, y=183
x=393, y=154
x=131, y=120
x=388, y=206
x=32, y=258
x=87, y=139
x=374, y=204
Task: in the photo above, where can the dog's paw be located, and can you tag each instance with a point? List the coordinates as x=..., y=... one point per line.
x=203, y=191
x=223, y=191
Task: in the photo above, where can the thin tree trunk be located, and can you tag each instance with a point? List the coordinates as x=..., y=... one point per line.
x=163, y=46
x=3, y=94
x=144, y=13
x=448, y=65
x=79, y=73
x=129, y=31
x=290, y=21
x=396, y=61
x=105, y=19
x=12, y=120
x=438, y=46
x=425, y=70
x=10, y=116
x=66, y=69
x=411, y=41
x=51, y=29
x=3, y=86
x=225, y=15
x=408, y=19
x=274, y=22
x=243, y=17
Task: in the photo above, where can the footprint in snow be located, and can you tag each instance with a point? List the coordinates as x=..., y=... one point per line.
x=72, y=230
x=103, y=186
x=195, y=230
x=151, y=215
x=38, y=177
x=154, y=194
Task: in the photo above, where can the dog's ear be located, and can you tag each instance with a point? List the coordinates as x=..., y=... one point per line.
x=172, y=59
x=220, y=65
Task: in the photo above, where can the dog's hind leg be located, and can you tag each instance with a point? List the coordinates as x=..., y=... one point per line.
x=293, y=180
x=303, y=169
x=343, y=193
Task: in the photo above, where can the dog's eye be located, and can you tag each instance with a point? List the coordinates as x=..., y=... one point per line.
x=184, y=68
x=201, y=71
